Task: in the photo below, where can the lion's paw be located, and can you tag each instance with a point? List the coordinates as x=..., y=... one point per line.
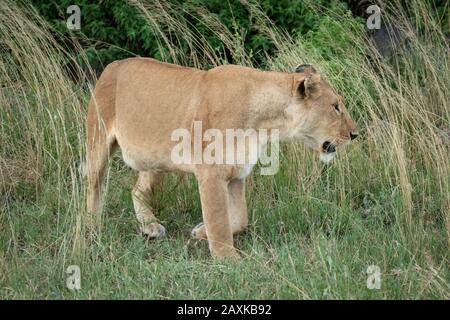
x=153, y=230
x=199, y=232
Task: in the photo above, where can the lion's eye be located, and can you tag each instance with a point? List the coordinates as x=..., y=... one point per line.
x=336, y=107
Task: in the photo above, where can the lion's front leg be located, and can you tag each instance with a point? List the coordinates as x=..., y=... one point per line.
x=214, y=200
x=237, y=210
x=237, y=206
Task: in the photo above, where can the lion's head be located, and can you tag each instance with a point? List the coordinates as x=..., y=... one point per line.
x=319, y=117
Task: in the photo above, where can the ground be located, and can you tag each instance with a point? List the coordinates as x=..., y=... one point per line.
x=297, y=246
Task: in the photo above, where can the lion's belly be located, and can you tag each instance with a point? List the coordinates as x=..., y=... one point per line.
x=141, y=161
x=149, y=154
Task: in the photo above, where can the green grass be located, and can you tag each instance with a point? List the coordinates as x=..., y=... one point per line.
x=297, y=246
x=314, y=229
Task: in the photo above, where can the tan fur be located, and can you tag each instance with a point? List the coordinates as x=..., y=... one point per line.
x=138, y=102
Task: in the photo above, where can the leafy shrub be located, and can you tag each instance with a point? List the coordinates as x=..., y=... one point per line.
x=113, y=30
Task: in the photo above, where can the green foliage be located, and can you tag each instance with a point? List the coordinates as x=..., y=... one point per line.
x=112, y=30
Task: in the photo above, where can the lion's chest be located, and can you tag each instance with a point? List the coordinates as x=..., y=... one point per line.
x=245, y=171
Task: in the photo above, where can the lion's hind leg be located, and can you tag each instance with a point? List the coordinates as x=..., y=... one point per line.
x=100, y=144
x=101, y=139
x=144, y=214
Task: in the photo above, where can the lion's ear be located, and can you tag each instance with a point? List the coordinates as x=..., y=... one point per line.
x=306, y=85
x=305, y=68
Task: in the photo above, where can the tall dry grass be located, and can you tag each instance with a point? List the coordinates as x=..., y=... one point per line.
x=42, y=119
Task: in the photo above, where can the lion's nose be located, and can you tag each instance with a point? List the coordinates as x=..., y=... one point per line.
x=353, y=135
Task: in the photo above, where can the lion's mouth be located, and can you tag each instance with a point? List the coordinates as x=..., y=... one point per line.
x=328, y=147
x=328, y=152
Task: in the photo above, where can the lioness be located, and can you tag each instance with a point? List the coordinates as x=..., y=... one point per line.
x=137, y=103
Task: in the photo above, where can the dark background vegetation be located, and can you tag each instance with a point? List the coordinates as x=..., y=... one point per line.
x=113, y=29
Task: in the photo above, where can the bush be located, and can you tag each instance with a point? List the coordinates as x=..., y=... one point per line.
x=112, y=30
